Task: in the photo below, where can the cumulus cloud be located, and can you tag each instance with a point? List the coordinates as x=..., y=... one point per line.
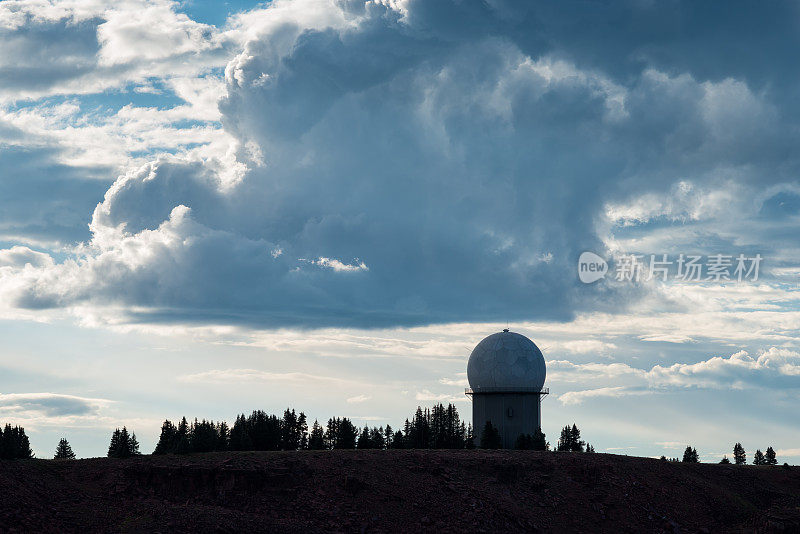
x=21, y=256
x=84, y=47
x=775, y=367
x=411, y=164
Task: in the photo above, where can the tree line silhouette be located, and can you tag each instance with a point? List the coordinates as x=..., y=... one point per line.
x=739, y=456
x=14, y=443
x=437, y=428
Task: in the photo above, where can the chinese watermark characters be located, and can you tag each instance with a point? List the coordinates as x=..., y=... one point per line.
x=664, y=267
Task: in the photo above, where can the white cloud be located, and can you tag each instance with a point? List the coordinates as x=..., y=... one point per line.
x=429, y=396
x=577, y=397
x=737, y=371
x=285, y=174
x=358, y=399
x=19, y=257
x=252, y=375
x=773, y=368
x=34, y=410
x=338, y=266
x=460, y=382
x=671, y=444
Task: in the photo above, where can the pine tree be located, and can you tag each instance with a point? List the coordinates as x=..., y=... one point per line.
x=469, y=437
x=589, y=448
x=290, y=431
x=376, y=437
x=14, y=443
x=64, y=451
x=540, y=441
x=570, y=439
x=365, y=440
x=347, y=434
x=724, y=460
x=388, y=434
x=758, y=458
x=240, y=437
x=769, y=457
x=398, y=440
x=166, y=441
x=316, y=441
x=490, y=438
x=577, y=444
x=690, y=455
x=302, y=429
x=223, y=435
x=133, y=445
x=123, y=444
x=739, y=455
x=203, y=436
x=182, y=438
x=113, y=447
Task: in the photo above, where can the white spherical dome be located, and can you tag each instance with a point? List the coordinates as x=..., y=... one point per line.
x=506, y=360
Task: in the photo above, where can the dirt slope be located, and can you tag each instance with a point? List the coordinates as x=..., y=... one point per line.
x=390, y=491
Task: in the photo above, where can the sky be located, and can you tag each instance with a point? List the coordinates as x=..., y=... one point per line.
x=208, y=208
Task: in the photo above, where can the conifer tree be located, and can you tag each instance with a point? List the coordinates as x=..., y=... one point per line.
x=469, y=437
x=316, y=441
x=576, y=444
x=364, y=439
x=769, y=457
x=240, y=438
x=302, y=429
x=166, y=441
x=113, y=447
x=739, y=455
x=223, y=435
x=387, y=437
x=133, y=445
x=14, y=443
x=724, y=460
x=123, y=444
x=291, y=436
x=182, y=438
x=690, y=455
x=64, y=451
x=398, y=440
x=376, y=437
x=539, y=441
x=758, y=458
x=490, y=438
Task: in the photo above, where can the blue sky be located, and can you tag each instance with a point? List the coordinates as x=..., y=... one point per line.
x=209, y=208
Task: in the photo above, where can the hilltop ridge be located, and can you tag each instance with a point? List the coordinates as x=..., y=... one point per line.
x=397, y=490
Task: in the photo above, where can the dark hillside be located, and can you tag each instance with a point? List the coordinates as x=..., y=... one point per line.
x=391, y=491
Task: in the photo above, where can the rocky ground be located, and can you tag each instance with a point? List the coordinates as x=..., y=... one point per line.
x=393, y=491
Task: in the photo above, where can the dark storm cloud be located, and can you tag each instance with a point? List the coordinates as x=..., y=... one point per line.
x=463, y=152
